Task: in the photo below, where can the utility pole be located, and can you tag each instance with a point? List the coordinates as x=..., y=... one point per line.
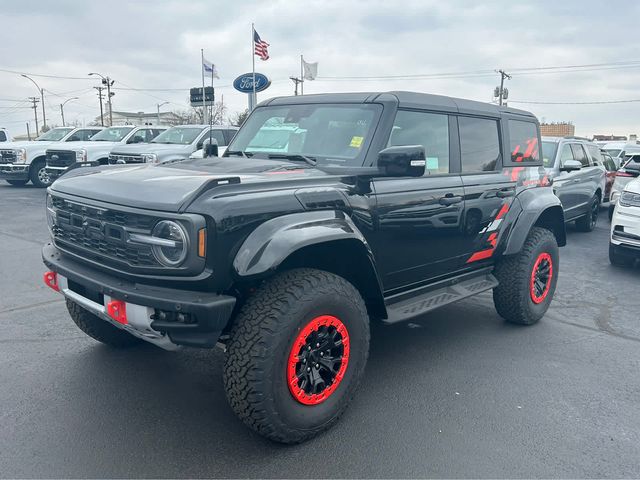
x=501, y=92
x=107, y=82
x=34, y=101
x=296, y=81
x=62, y=108
x=158, y=105
x=41, y=90
x=100, y=97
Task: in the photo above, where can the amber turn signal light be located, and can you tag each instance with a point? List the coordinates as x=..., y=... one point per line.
x=202, y=242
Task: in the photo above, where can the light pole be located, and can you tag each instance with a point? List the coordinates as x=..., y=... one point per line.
x=106, y=81
x=41, y=90
x=62, y=108
x=158, y=105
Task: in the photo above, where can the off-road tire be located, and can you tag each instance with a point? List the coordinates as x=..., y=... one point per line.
x=35, y=176
x=513, y=297
x=99, y=329
x=619, y=259
x=588, y=221
x=17, y=183
x=255, y=372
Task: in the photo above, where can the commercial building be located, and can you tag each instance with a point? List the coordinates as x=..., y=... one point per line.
x=557, y=129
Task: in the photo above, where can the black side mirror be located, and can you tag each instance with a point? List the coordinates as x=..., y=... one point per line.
x=403, y=161
x=210, y=149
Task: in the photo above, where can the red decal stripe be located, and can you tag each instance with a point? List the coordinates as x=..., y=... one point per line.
x=492, y=239
x=503, y=211
x=481, y=255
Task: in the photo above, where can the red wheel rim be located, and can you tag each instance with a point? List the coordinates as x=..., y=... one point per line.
x=541, y=276
x=318, y=360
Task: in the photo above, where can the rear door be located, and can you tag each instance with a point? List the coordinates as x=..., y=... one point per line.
x=565, y=184
x=417, y=234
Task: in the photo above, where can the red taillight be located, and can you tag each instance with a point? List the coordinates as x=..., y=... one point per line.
x=623, y=174
x=51, y=280
x=117, y=309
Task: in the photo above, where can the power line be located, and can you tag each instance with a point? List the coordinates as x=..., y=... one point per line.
x=600, y=102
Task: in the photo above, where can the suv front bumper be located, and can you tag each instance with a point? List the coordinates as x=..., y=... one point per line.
x=625, y=229
x=155, y=311
x=14, y=171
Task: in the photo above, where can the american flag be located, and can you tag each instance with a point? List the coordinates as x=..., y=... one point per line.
x=260, y=46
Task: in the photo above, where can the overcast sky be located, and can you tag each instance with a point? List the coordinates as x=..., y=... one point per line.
x=156, y=44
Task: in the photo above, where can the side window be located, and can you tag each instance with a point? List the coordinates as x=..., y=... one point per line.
x=216, y=135
x=140, y=136
x=228, y=135
x=579, y=154
x=3, y=136
x=479, y=144
x=596, y=156
x=83, y=135
x=523, y=142
x=153, y=133
x=566, y=154
x=431, y=130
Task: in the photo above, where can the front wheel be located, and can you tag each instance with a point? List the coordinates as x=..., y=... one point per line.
x=588, y=222
x=527, y=280
x=38, y=174
x=296, y=355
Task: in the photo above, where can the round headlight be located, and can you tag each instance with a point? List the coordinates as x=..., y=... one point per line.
x=171, y=248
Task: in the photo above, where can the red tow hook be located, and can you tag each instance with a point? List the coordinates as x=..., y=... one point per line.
x=51, y=280
x=117, y=309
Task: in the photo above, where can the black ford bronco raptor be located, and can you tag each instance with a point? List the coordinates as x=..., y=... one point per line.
x=326, y=213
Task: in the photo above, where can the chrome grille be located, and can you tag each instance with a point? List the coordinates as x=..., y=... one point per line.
x=117, y=158
x=102, y=233
x=8, y=156
x=60, y=158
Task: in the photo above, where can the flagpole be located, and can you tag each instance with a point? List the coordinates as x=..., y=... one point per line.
x=253, y=65
x=204, y=105
x=301, y=76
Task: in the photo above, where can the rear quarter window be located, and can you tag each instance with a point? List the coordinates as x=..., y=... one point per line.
x=523, y=142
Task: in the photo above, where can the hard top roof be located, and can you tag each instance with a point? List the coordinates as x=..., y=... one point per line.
x=405, y=100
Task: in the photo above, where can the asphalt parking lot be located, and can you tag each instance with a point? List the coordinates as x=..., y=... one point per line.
x=458, y=394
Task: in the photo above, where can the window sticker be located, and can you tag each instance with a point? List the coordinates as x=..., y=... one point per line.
x=432, y=163
x=356, y=142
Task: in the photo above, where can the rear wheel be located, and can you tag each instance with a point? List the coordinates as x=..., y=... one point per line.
x=527, y=280
x=588, y=222
x=99, y=329
x=296, y=355
x=17, y=183
x=38, y=175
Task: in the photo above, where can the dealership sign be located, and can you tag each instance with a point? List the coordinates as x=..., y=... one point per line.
x=244, y=83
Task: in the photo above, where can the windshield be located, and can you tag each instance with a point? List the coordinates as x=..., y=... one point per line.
x=54, y=134
x=549, y=153
x=178, y=135
x=111, y=134
x=330, y=134
x=614, y=152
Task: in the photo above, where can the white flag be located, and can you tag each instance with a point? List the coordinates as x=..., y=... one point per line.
x=310, y=70
x=210, y=68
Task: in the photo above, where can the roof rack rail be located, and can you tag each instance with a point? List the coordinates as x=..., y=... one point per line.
x=574, y=137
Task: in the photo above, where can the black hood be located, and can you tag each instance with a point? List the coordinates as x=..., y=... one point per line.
x=170, y=187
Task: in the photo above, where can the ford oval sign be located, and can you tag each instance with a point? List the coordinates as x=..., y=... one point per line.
x=244, y=83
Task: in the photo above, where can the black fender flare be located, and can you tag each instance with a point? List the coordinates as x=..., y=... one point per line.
x=539, y=207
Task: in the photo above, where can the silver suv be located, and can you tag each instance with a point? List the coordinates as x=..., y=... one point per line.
x=575, y=165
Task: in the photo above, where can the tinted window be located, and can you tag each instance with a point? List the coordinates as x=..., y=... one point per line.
x=3, y=136
x=549, y=153
x=431, y=130
x=596, y=156
x=216, y=135
x=579, y=154
x=141, y=136
x=523, y=141
x=566, y=154
x=608, y=162
x=228, y=135
x=479, y=144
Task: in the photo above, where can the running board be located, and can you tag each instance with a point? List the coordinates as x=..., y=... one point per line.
x=406, y=308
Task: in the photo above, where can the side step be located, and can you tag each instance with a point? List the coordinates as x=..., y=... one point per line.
x=404, y=308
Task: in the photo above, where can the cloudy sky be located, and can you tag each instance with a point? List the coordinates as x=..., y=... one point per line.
x=152, y=50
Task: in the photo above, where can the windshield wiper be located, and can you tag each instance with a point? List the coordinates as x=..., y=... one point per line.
x=239, y=153
x=295, y=158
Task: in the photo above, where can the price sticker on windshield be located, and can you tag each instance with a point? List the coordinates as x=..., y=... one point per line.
x=356, y=142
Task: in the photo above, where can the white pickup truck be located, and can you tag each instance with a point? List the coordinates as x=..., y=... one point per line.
x=24, y=161
x=60, y=157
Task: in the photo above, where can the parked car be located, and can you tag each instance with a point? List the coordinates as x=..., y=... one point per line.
x=24, y=161
x=624, y=244
x=172, y=145
x=5, y=136
x=575, y=165
x=611, y=168
x=630, y=169
x=61, y=156
x=618, y=150
x=284, y=257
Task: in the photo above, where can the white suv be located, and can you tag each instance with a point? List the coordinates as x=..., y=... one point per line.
x=624, y=245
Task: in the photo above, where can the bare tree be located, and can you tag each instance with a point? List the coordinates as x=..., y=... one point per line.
x=238, y=118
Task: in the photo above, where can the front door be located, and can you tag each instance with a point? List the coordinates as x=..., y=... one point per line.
x=565, y=185
x=417, y=233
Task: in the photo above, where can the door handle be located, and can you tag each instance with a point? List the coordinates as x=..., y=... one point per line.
x=450, y=199
x=505, y=193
